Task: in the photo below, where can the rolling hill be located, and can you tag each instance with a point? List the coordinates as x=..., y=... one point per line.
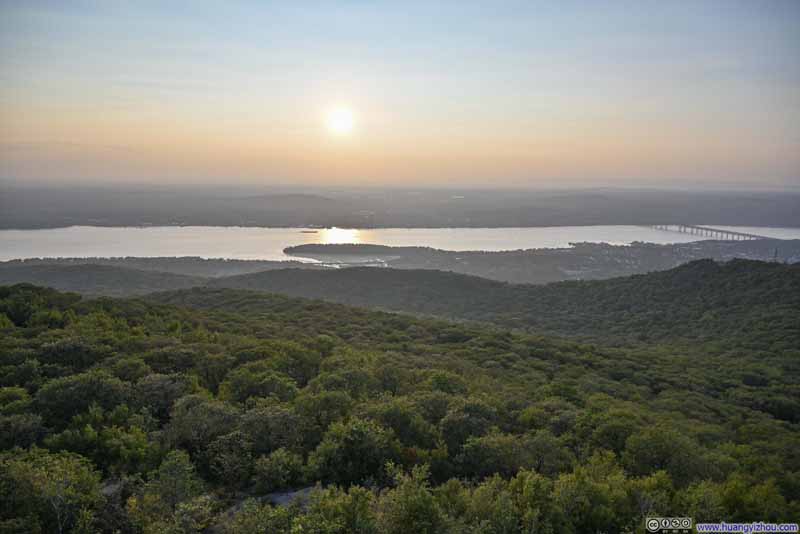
x=186, y=265
x=106, y=280
x=739, y=301
x=581, y=261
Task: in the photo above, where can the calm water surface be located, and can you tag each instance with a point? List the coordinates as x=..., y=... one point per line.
x=268, y=243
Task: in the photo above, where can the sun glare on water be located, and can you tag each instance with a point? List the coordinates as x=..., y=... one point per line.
x=340, y=121
x=330, y=236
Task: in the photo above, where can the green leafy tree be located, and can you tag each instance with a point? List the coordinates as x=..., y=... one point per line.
x=652, y=496
x=446, y=382
x=432, y=405
x=5, y=322
x=321, y=409
x=14, y=400
x=661, y=448
x=114, y=449
x=61, y=398
x=212, y=369
x=130, y=369
x=73, y=353
x=270, y=426
x=408, y=425
x=257, y=380
x=197, y=420
x=472, y=418
x=338, y=511
x=703, y=501
x=298, y=362
x=592, y=498
x=410, y=506
x=255, y=517
x=492, y=508
x=54, y=492
x=505, y=454
x=194, y=515
x=158, y=392
x=280, y=470
x=230, y=458
x=532, y=494
x=173, y=484
x=744, y=499
x=354, y=451
x=21, y=430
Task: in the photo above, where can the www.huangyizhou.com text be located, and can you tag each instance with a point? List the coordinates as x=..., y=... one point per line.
x=747, y=528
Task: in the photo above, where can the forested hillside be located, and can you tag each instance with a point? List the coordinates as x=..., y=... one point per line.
x=580, y=261
x=187, y=265
x=96, y=280
x=129, y=416
x=738, y=304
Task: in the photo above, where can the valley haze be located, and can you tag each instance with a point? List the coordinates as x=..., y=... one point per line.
x=52, y=207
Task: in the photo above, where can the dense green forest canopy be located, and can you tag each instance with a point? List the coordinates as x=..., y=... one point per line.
x=741, y=304
x=182, y=416
x=738, y=304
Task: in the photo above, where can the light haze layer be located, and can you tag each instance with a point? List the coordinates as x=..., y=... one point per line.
x=522, y=94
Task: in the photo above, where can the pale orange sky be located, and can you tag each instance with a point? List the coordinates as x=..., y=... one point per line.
x=696, y=93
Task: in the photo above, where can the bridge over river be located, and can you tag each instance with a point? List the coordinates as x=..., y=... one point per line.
x=706, y=231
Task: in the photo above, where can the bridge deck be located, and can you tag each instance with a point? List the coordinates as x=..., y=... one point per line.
x=706, y=231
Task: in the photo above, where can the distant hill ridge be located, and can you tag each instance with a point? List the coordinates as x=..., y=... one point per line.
x=188, y=265
x=738, y=303
x=582, y=261
x=96, y=280
x=703, y=300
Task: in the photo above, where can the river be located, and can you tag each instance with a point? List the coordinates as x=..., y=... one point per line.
x=268, y=243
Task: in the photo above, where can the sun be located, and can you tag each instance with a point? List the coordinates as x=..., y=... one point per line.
x=340, y=121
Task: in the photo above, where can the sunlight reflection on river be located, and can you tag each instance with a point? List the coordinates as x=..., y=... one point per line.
x=268, y=243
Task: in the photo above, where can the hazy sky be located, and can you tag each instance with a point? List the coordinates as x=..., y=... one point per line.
x=539, y=94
